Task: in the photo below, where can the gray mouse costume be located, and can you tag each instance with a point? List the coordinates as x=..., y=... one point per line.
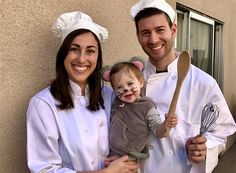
x=130, y=127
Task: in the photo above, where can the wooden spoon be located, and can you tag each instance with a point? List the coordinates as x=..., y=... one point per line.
x=182, y=69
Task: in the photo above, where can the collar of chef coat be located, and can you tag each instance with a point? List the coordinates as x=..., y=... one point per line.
x=77, y=93
x=151, y=69
x=77, y=90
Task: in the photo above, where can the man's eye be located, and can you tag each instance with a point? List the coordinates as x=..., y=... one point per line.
x=160, y=30
x=145, y=34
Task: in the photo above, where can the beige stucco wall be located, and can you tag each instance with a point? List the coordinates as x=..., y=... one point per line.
x=28, y=48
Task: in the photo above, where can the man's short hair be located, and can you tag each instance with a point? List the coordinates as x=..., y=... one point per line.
x=147, y=12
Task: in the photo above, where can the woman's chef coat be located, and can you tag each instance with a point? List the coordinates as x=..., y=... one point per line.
x=66, y=140
x=168, y=155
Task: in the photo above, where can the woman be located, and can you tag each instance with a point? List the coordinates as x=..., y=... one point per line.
x=67, y=122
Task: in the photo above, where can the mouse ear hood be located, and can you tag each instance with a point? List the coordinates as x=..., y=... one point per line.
x=138, y=62
x=106, y=73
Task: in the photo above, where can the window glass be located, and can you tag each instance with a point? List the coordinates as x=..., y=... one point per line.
x=201, y=45
x=203, y=37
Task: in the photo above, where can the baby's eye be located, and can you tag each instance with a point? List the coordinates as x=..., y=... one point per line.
x=118, y=88
x=130, y=83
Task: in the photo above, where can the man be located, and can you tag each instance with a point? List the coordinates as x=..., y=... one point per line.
x=184, y=150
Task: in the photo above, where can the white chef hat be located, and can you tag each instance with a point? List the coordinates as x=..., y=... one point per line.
x=68, y=22
x=159, y=4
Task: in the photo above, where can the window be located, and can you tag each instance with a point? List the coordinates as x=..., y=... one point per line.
x=203, y=38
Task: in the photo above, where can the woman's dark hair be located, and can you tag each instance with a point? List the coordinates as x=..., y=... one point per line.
x=147, y=12
x=60, y=87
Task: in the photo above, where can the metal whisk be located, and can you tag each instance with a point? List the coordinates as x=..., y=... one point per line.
x=210, y=114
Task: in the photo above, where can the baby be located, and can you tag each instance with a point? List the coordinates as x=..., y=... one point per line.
x=132, y=116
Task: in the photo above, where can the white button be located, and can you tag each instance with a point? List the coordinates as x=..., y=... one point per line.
x=174, y=77
x=82, y=101
x=170, y=152
x=101, y=124
x=150, y=147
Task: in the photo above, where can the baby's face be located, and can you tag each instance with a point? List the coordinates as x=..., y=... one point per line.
x=127, y=87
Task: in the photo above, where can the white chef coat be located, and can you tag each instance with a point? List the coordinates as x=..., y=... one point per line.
x=168, y=155
x=72, y=140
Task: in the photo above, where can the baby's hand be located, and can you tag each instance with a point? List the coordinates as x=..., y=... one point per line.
x=171, y=120
x=109, y=159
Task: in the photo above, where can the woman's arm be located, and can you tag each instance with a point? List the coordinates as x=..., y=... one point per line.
x=120, y=165
x=42, y=139
x=43, y=147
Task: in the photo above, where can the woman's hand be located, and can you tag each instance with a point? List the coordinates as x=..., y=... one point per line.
x=122, y=165
x=108, y=160
x=196, y=148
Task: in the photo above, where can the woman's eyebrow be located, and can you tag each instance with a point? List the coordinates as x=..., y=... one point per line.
x=73, y=44
x=92, y=47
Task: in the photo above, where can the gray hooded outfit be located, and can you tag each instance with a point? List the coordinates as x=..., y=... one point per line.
x=130, y=127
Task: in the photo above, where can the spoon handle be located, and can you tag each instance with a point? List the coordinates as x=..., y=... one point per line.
x=183, y=65
x=173, y=105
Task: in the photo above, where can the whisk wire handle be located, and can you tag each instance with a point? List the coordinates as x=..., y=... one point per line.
x=210, y=114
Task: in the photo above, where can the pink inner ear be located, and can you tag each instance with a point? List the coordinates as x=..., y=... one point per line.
x=138, y=64
x=106, y=75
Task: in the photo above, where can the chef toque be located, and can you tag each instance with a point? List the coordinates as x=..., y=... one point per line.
x=68, y=22
x=159, y=4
